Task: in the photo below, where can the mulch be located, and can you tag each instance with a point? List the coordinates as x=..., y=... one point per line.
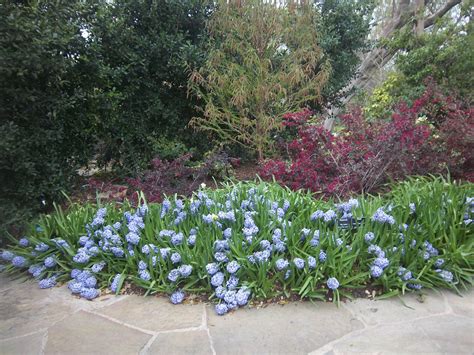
x=246, y=171
x=369, y=292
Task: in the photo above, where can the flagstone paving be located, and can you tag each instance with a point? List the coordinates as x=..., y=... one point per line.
x=34, y=321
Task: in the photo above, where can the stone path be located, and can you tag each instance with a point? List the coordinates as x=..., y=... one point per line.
x=34, y=321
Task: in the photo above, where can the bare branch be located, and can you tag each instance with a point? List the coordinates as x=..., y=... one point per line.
x=429, y=21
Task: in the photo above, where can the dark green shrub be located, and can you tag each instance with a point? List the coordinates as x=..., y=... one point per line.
x=84, y=80
x=344, y=27
x=144, y=53
x=46, y=101
x=168, y=148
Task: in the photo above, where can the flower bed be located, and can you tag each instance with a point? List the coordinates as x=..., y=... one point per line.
x=258, y=241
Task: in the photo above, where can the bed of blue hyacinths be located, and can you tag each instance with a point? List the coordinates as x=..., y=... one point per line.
x=258, y=240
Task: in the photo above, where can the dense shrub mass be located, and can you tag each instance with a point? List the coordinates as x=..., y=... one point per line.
x=434, y=135
x=91, y=80
x=143, y=50
x=106, y=82
x=178, y=176
x=265, y=61
x=258, y=240
x=46, y=102
x=444, y=53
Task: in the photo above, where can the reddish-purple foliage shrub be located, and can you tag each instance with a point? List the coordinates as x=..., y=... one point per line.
x=454, y=129
x=178, y=176
x=434, y=135
x=164, y=178
x=107, y=189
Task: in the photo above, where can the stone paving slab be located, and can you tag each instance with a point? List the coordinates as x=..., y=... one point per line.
x=296, y=327
x=387, y=339
x=452, y=334
x=31, y=344
x=27, y=309
x=7, y=282
x=446, y=334
x=396, y=309
x=153, y=313
x=87, y=333
x=34, y=321
x=463, y=306
x=195, y=342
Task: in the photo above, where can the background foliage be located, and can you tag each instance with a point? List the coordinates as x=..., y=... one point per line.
x=434, y=135
x=445, y=54
x=105, y=83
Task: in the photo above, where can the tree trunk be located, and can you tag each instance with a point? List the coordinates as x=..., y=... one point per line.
x=403, y=13
x=420, y=17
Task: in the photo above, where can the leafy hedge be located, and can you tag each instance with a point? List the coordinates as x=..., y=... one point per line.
x=258, y=241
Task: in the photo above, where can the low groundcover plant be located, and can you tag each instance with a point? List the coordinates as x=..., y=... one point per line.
x=258, y=240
